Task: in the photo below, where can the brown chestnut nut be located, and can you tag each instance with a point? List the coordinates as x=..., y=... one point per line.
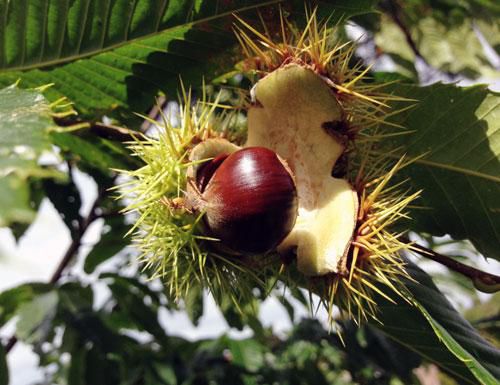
x=249, y=198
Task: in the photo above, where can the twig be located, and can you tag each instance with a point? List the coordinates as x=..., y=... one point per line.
x=100, y=129
x=110, y=131
x=394, y=11
x=153, y=113
x=482, y=280
x=71, y=251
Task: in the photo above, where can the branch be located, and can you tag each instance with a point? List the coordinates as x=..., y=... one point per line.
x=70, y=253
x=483, y=281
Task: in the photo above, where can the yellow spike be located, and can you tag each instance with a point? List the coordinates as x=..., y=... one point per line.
x=353, y=262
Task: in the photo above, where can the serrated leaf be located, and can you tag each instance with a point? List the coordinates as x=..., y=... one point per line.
x=105, y=55
x=436, y=331
x=109, y=54
x=458, y=132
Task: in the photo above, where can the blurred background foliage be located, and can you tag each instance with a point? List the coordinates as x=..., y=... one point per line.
x=113, y=58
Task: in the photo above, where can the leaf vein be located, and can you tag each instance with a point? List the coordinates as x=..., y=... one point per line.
x=129, y=20
x=63, y=34
x=44, y=30
x=85, y=83
x=84, y=25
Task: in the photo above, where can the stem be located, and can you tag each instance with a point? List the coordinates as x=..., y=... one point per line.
x=71, y=251
x=482, y=280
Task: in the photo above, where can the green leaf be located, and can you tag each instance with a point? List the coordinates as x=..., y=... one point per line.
x=76, y=297
x=131, y=302
x=12, y=299
x=164, y=373
x=66, y=199
x=35, y=317
x=4, y=369
x=436, y=331
x=248, y=354
x=458, y=132
x=141, y=288
x=112, y=241
x=25, y=119
x=108, y=54
x=445, y=38
x=15, y=201
x=105, y=55
x=194, y=304
x=89, y=151
x=485, y=317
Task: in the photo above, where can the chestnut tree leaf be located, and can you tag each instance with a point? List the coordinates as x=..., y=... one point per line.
x=66, y=200
x=116, y=55
x=11, y=299
x=456, y=131
x=435, y=330
x=25, y=121
x=35, y=317
x=15, y=201
x=247, y=353
x=91, y=151
x=112, y=241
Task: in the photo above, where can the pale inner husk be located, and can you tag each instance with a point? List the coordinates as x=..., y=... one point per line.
x=291, y=107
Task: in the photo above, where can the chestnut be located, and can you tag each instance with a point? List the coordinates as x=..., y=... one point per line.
x=249, y=199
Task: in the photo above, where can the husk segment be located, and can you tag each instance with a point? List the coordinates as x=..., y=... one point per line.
x=292, y=109
x=367, y=262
